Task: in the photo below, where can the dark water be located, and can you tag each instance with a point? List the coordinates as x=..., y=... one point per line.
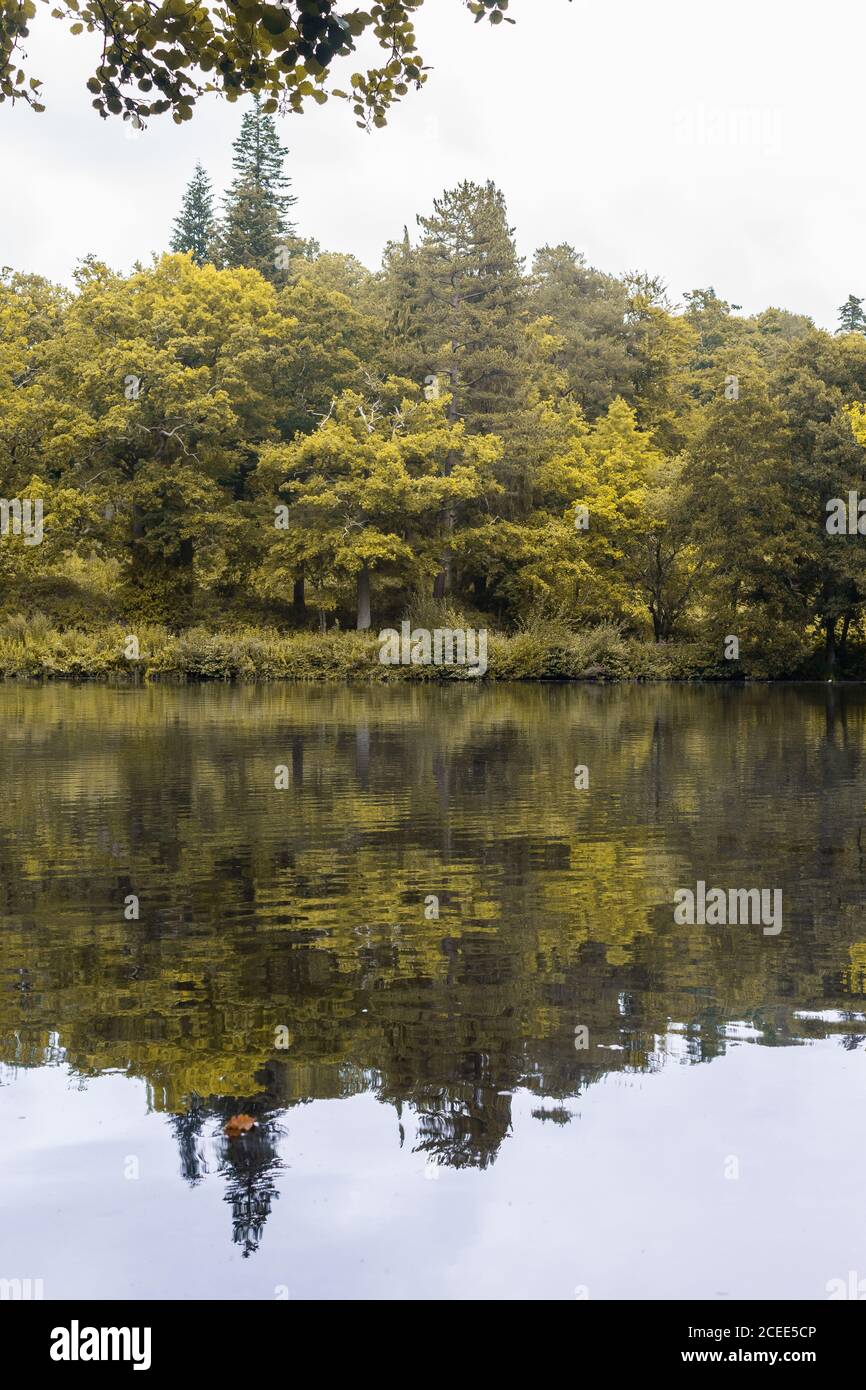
x=428, y=1123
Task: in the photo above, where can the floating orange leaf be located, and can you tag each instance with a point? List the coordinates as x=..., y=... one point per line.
x=238, y=1125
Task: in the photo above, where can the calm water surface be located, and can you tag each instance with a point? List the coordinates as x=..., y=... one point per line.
x=427, y=1126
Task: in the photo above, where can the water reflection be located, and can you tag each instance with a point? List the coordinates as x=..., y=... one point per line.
x=308, y=909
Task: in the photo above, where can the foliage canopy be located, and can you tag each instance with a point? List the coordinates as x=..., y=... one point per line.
x=163, y=55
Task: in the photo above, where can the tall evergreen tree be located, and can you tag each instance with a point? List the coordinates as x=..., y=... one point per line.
x=851, y=316
x=470, y=296
x=590, y=313
x=455, y=304
x=456, y=309
x=255, y=223
x=195, y=226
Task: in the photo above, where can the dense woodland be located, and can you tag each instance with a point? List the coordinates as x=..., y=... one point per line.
x=255, y=434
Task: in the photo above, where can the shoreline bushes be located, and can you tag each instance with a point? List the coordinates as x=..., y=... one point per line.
x=33, y=648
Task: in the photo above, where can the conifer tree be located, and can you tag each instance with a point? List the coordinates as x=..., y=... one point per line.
x=456, y=308
x=195, y=227
x=590, y=313
x=256, y=230
x=851, y=316
x=470, y=292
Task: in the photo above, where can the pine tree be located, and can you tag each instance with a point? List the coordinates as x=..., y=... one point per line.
x=469, y=303
x=456, y=308
x=195, y=228
x=851, y=316
x=249, y=234
x=590, y=313
x=400, y=266
x=256, y=230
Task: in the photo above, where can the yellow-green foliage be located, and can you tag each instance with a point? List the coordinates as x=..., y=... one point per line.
x=31, y=647
x=224, y=457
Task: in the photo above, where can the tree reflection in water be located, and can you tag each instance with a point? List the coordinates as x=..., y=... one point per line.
x=304, y=909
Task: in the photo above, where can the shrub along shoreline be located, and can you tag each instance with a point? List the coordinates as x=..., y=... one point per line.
x=38, y=650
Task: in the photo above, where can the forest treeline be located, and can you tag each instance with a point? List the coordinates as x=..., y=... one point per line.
x=251, y=432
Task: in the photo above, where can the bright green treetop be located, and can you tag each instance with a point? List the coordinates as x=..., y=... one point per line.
x=195, y=225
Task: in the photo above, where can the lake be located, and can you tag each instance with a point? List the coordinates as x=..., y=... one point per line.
x=425, y=937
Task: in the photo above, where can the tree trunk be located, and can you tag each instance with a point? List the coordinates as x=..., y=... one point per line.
x=299, y=598
x=137, y=535
x=843, y=638
x=830, y=649
x=364, y=599
x=443, y=584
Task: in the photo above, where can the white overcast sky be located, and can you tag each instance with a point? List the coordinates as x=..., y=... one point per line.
x=710, y=144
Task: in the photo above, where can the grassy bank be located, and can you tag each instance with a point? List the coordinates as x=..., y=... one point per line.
x=36, y=648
